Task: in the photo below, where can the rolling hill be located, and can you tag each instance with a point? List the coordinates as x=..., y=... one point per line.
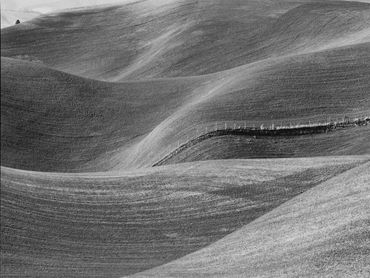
x=119, y=223
x=320, y=233
x=11, y=10
x=57, y=113
x=182, y=38
x=107, y=169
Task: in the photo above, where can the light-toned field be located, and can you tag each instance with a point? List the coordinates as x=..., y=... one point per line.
x=66, y=121
x=92, y=98
x=184, y=38
x=323, y=232
x=119, y=223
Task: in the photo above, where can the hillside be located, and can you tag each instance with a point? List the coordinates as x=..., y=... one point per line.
x=115, y=224
x=89, y=137
x=52, y=121
x=11, y=10
x=86, y=136
x=182, y=38
x=176, y=138
x=320, y=233
x=297, y=89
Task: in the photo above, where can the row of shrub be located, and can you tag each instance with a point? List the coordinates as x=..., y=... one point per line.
x=272, y=130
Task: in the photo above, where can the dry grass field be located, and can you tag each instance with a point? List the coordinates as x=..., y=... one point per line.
x=98, y=103
x=324, y=232
x=119, y=223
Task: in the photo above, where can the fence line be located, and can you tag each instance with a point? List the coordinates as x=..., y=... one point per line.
x=272, y=129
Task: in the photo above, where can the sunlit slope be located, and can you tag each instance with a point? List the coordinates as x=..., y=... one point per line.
x=95, y=42
x=310, y=87
x=320, y=233
x=216, y=42
x=115, y=224
x=52, y=121
x=181, y=38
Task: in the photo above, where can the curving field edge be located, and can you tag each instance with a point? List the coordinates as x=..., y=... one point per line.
x=272, y=131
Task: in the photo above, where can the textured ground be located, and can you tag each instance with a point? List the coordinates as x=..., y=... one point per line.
x=323, y=232
x=109, y=225
x=92, y=98
x=66, y=121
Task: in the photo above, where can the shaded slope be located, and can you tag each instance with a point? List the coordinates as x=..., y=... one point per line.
x=181, y=38
x=322, y=232
x=317, y=86
x=95, y=42
x=114, y=224
x=218, y=42
x=52, y=121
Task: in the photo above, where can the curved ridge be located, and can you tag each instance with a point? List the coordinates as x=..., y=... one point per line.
x=182, y=38
x=92, y=98
x=114, y=224
x=53, y=121
x=263, y=132
x=290, y=89
x=310, y=234
x=297, y=88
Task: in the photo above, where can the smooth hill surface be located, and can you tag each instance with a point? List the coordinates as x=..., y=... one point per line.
x=76, y=124
x=11, y=10
x=115, y=224
x=320, y=233
x=52, y=121
x=182, y=38
x=93, y=98
x=331, y=83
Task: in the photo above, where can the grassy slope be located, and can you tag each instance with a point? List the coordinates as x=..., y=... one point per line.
x=59, y=106
x=322, y=233
x=55, y=121
x=64, y=136
x=114, y=224
x=301, y=88
x=180, y=38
